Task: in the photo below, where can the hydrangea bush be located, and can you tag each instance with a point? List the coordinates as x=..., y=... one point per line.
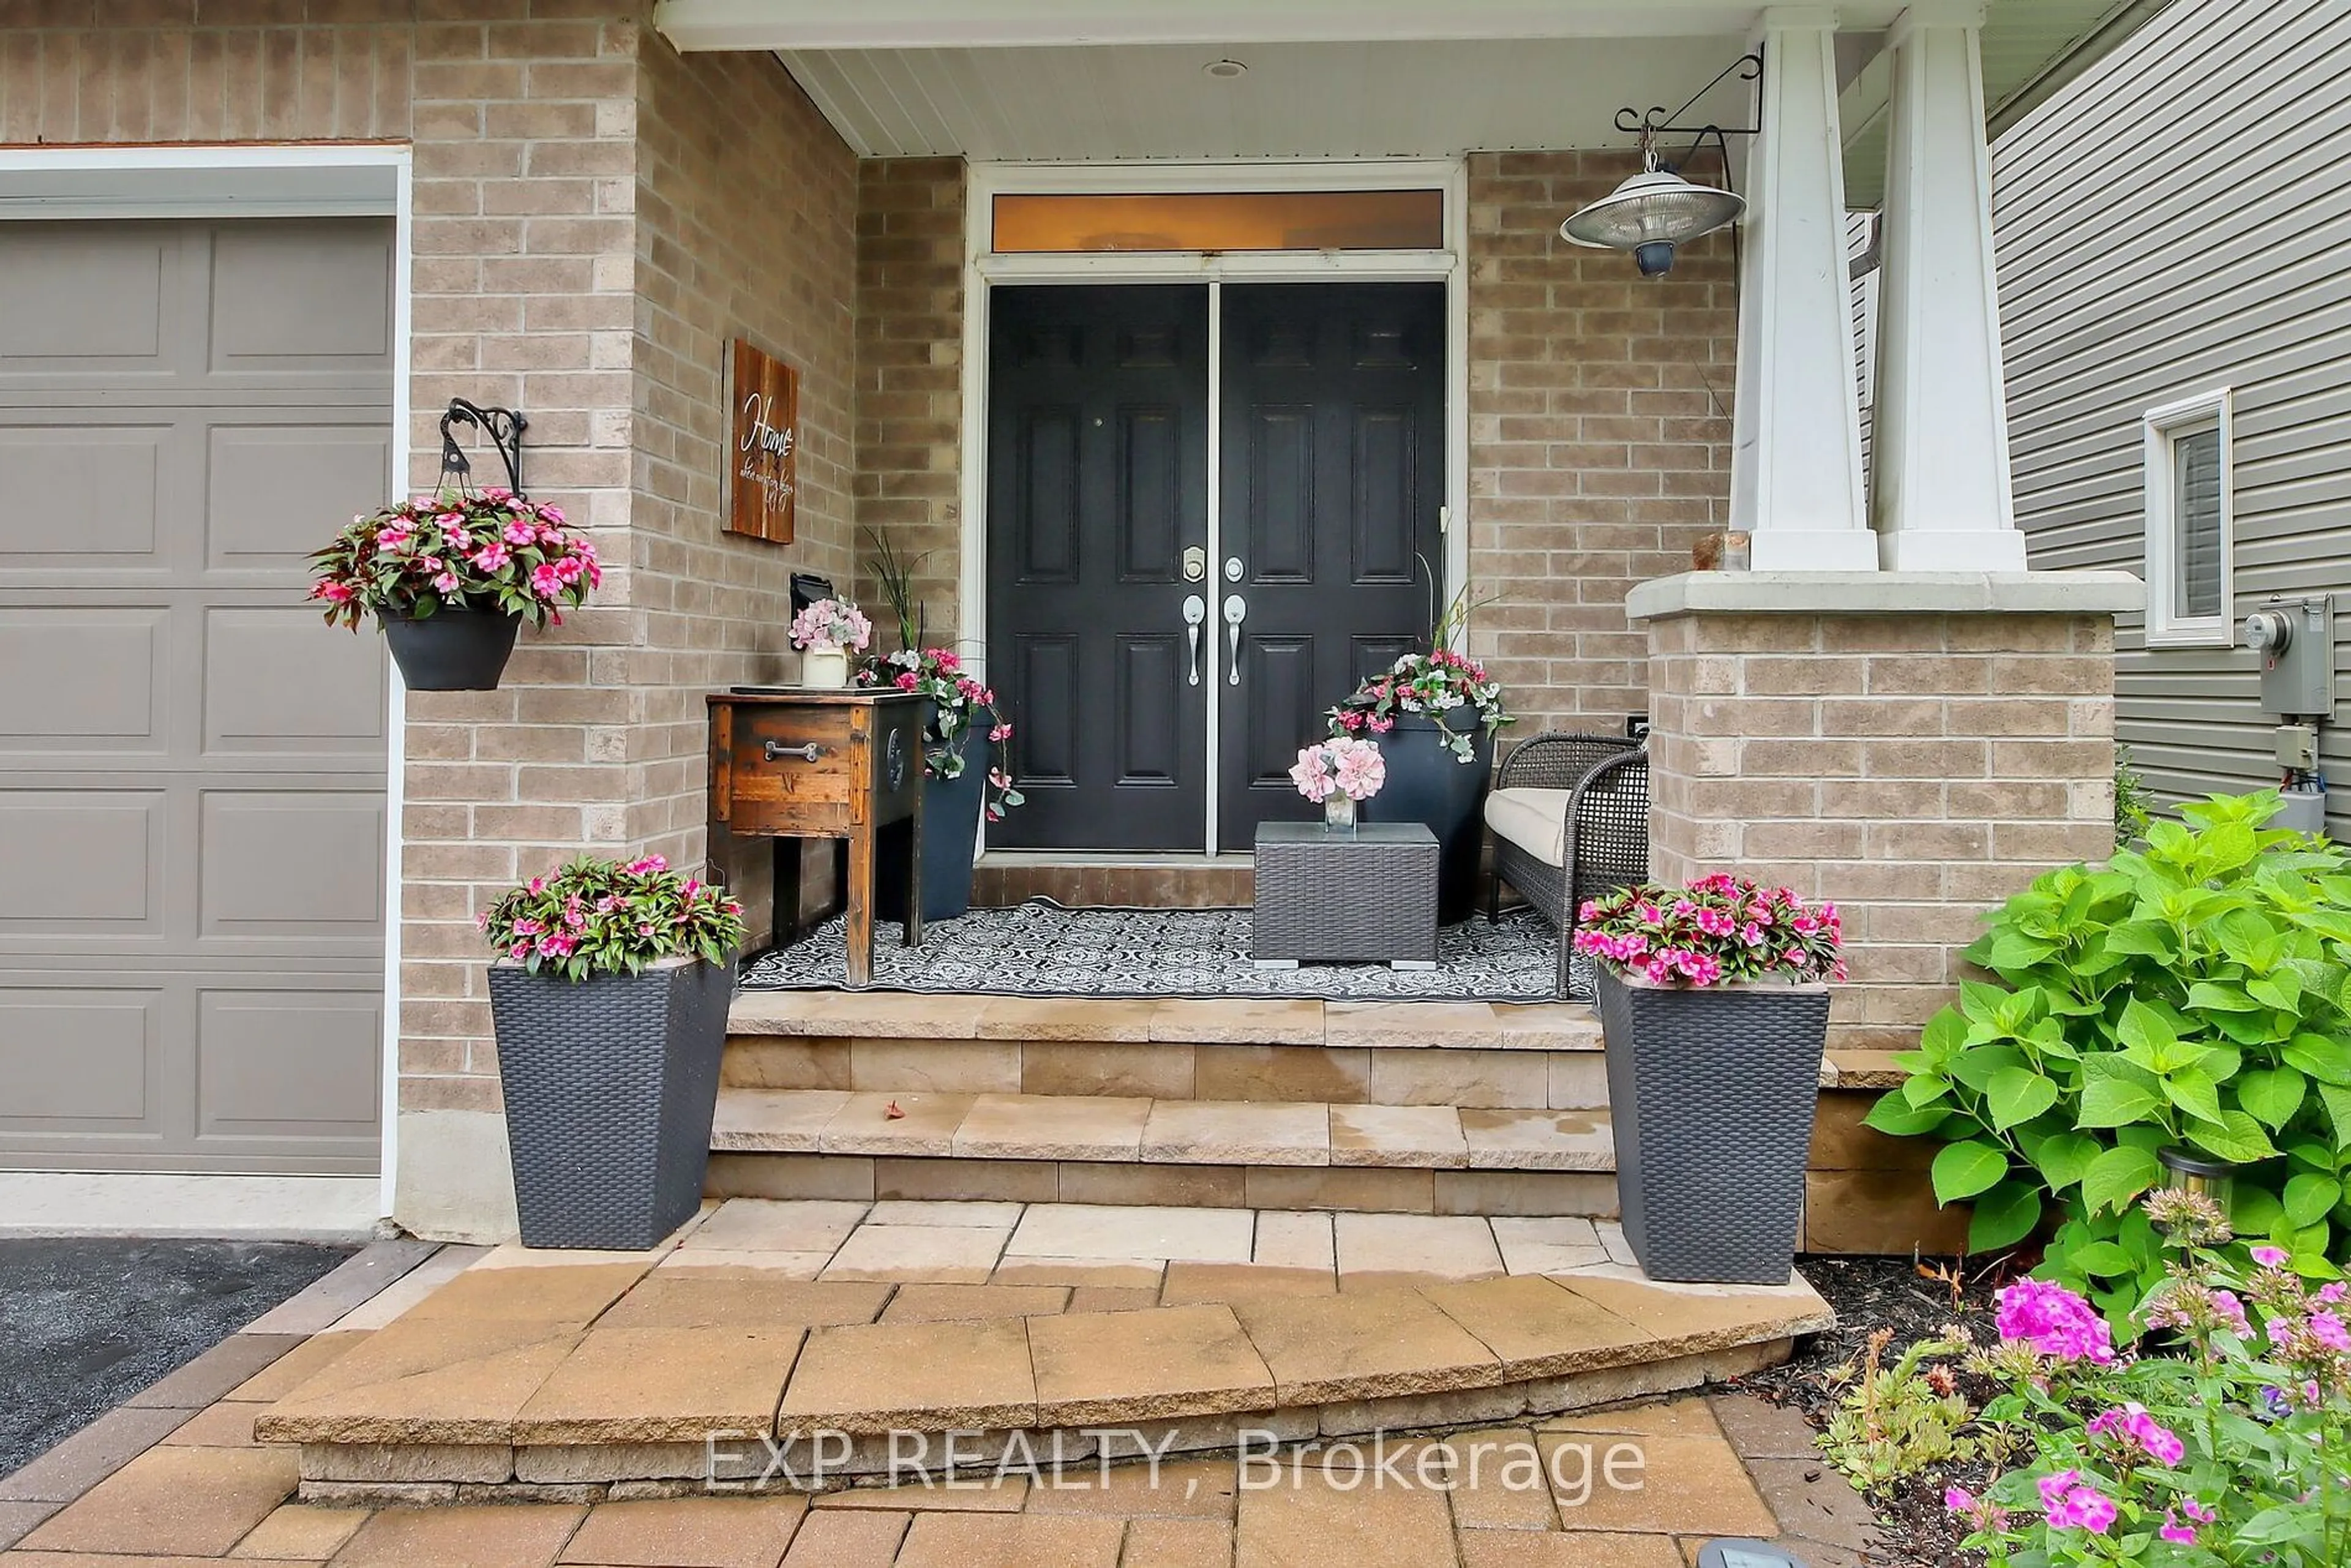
x=610, y=917
x=2193, y=992
x=2222, y=1437
x=1717, y=930
x=492, y=551
x=959, y=705
x=1353, y=768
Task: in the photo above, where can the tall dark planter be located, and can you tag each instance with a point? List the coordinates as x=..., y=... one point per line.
x=1711, y=1093
x=609, y=1087
x=951, y=809
x=1426, y=783
x=454, y=650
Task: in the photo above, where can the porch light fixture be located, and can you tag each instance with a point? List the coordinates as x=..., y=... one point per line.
x=1226, y=71
x=1657, y=211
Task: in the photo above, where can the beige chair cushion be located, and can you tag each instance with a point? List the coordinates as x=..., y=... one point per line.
x=1534, y=819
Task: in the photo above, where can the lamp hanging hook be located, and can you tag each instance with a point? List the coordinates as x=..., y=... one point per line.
x=504, y=426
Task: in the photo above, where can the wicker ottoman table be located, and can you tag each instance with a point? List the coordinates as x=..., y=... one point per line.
x=1368, y=897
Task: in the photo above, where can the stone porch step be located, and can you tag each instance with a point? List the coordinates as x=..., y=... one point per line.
x=1542, y=1057
x=1069, y=1148
x=624, y=1375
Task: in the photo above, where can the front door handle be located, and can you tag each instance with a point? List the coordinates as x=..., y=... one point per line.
x=1236, y=611
x=1195, y=610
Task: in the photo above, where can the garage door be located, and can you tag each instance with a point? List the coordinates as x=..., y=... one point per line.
x=191, y=767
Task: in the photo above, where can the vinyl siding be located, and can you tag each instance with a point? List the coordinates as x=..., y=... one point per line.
x=2176, y=221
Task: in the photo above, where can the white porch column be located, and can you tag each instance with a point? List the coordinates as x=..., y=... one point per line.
x=1941, y=490
x=1795, y=474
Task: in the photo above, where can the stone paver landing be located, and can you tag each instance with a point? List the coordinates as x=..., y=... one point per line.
x=1011, y=1325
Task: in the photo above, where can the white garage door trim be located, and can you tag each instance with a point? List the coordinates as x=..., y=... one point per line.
x=191, y=182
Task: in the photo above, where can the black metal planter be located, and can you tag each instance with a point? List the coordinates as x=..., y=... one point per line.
x=453, y=651
x=951, y=809
x=1711, y=1093
x=1427, y=783
x=610, y=1087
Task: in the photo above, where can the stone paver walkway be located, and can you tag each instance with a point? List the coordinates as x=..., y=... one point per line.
x=1640, y=1487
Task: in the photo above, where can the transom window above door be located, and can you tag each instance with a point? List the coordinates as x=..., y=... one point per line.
x=1217, y=222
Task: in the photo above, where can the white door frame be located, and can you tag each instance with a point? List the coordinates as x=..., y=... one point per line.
x=256, y=181
x=984, y=269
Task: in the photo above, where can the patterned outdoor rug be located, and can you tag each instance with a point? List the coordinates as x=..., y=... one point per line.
x=1042, y=949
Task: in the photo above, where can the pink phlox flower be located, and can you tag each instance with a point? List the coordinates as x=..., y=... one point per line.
x=2056, y=1322
x=2327, y=1328
x=2333, y=1293
x=2072, y=1505
x=2131, y=1426
x=2270, y=1257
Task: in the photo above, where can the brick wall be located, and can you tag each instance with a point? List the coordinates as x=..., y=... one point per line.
x=910, y=252
x=1917, y=769
x=1599, y=435
x=746, y=226
x=204, y=70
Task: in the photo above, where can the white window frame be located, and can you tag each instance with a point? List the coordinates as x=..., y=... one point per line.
x=2167, y=627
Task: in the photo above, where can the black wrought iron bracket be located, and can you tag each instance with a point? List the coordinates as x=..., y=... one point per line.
x=1659, y=121
x=503, y=426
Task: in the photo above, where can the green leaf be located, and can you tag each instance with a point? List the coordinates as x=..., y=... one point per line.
x=2019, y=1094
x=2328, y=1060
x=1923, y=1092
x=2014, y=950
x=2311, y=1198
x=2272, y=1095
x=2195, y=1093
x=1963, y=1170
x=2117, y=1176
x=2103, y=1259
x=2145, y=938
x=2004, y=1216
x=2208, y=996
x=2338, y=1109
x=1979, y=1065
x=2236, y=1138
x=2146, y=1033
x=2063, y=1157
x=2115, y=1102
x=2281, y=990
x=1895, y=1117
x=1945, y=1033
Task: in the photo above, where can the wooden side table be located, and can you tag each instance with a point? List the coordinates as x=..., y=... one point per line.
x=793, y=764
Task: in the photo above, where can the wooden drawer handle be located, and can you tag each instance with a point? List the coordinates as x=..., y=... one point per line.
x=774, y=751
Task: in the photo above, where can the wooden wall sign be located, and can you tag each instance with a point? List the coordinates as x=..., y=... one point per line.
x=763, y=458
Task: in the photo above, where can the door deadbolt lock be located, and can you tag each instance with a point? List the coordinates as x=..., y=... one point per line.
x=1196, y=563
x=1233, y=568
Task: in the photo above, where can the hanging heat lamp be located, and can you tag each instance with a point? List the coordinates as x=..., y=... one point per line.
x=1657, y=211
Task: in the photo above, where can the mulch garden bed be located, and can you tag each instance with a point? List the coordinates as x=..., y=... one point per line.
x=1895, y=1293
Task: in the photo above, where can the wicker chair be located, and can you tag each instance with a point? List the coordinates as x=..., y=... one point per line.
x=1569, y=816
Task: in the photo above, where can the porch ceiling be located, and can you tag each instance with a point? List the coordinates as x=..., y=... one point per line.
x=1069, y=80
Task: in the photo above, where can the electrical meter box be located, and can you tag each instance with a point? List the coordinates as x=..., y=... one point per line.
x=2294, y=641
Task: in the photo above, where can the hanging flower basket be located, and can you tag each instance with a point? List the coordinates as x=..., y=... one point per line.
x=452, y=579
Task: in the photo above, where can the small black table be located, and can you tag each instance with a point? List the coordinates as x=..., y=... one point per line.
x=1368, y=896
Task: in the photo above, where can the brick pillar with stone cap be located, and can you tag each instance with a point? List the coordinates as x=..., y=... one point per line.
x=1914, y=747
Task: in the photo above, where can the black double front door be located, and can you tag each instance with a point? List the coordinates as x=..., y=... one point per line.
x=1114, y=618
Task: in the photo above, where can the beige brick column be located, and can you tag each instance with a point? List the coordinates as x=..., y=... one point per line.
x=1916, y=748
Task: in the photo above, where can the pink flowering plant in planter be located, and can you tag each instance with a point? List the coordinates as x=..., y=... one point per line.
x=611, y=917
x=2221, y=1438
x=491, y=552
x=959, y=706
x=1432, y=685
x=1718, y=930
